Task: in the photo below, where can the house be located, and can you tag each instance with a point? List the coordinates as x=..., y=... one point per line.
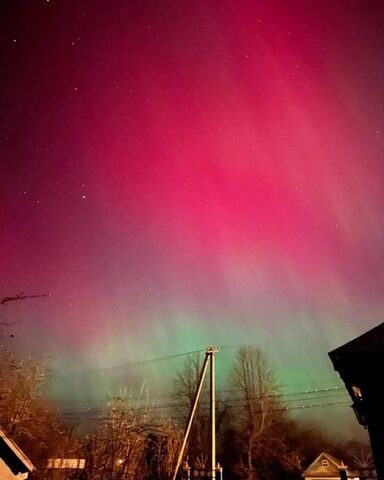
x=14, y=464
x=325, y=467
x=359, y=365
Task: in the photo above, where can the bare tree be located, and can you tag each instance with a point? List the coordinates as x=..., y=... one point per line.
x=25, y=412
x=163, y=449
x=132, y=442
x=257, y=417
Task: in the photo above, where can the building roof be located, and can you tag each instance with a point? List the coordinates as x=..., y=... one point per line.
x=13, y=455
x=315, y=469
x=371, y=341
x=336, y=461
x=355, y=360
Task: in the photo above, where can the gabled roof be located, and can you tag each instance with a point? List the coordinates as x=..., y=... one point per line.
x=336, y=463
x=14, y=454
x=371, y=341
x=355, y=360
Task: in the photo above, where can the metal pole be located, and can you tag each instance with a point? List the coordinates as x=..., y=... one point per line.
x=192, y=413
x=211, y=352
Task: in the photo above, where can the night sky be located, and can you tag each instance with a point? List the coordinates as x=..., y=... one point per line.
x=187, y=173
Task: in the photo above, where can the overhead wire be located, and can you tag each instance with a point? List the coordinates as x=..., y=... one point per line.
x=123, y=365
x=79, y=413
x=154, y=408
x=83, y=417
x=218, y=392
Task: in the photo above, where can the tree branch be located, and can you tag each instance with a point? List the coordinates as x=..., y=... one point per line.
x=21, y=296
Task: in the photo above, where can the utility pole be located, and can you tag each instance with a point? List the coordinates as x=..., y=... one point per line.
x=211, y=352
x=209, y=357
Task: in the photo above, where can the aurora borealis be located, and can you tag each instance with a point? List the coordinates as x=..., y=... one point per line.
x=180, y=174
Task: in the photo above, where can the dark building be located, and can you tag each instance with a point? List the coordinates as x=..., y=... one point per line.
x=360, y=364
x=14, y=464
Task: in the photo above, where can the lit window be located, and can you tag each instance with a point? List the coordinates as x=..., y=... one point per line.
x=325, y=463
x=356, y=391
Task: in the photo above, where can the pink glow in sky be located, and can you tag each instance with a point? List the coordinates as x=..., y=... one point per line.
x=186, y=173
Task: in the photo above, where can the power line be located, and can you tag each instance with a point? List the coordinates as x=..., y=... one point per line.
x=277, y=395
x=228, y=402
x=159, y=359
x=94, y=416
x=123, y=365
x=316, y=390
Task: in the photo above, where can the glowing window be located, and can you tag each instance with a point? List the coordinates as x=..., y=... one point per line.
x=356, y=391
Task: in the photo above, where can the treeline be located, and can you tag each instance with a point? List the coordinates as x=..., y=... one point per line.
x=134, y=439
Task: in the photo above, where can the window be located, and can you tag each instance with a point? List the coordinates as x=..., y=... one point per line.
x=357, y=392
x=325, y=463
